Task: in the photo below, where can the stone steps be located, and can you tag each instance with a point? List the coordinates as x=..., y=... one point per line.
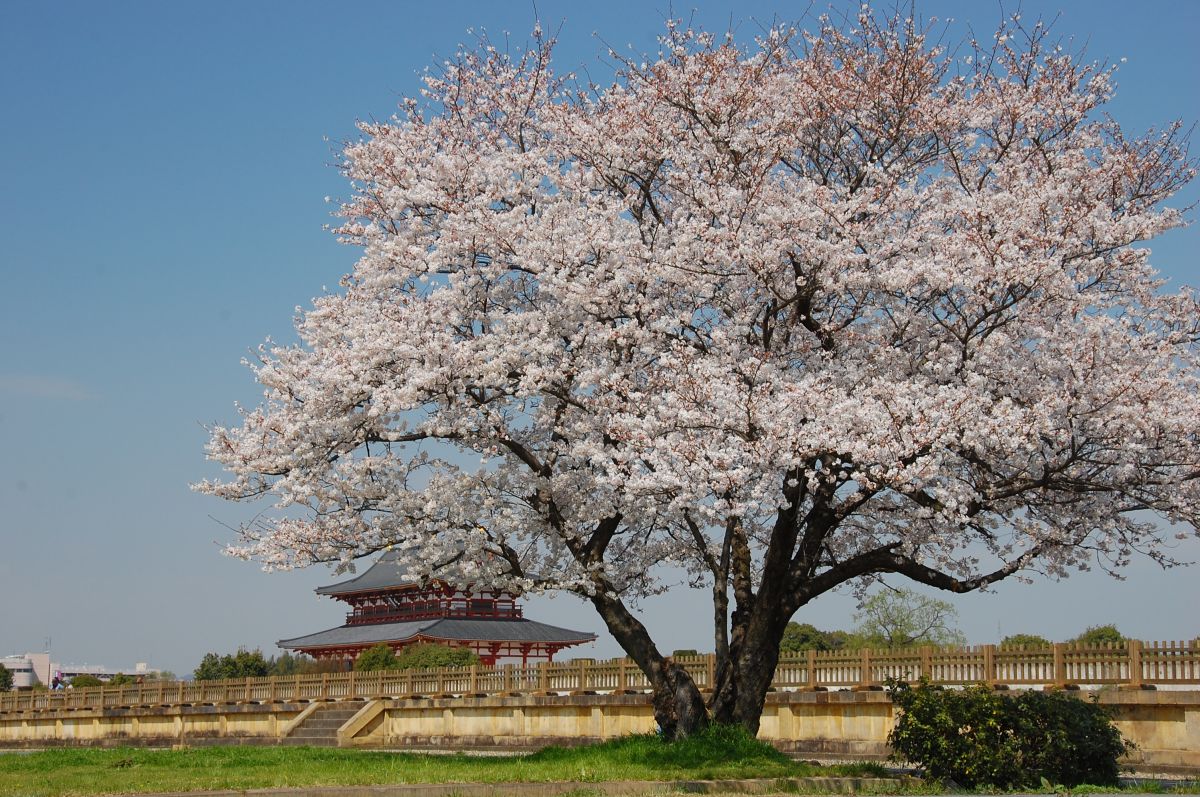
x=320, y=728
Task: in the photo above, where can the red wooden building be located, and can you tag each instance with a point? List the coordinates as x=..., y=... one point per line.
x=385, y=608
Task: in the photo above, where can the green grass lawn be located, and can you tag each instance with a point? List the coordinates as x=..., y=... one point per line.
x=716, y=754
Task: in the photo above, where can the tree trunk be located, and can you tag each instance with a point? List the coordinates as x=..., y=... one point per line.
x=739, y=695
x=678, y=706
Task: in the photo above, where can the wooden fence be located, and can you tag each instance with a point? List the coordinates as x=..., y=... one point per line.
x=1133, y=663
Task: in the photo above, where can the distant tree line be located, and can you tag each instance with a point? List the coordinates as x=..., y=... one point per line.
x=420, y=656
x=253, y=664
x=903, y=618
x=896, y=618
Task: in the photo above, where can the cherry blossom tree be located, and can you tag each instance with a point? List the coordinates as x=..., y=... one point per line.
x=790, y=317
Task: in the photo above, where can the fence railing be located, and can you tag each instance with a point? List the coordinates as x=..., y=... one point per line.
x=1132, y=663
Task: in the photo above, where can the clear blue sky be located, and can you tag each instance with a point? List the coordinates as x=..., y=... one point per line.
x=164, y=168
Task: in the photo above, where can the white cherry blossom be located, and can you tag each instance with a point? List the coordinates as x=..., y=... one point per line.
x=789, y=318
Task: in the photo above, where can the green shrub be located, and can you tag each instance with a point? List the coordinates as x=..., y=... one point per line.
x=430, y=654
x=379, y=657
x=82, y=681
x=421, y=656
x=121, y=679
x=6, y=678
x=979, y=737
x=1100, y=635
x=243, y=664
x=299, y=664
x=1025, y=641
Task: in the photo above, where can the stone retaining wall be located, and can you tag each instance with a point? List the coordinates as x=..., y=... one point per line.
x=1165, y=725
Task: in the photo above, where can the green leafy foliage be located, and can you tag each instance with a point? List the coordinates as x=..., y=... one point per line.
x=121, y=679
x=431, y=654
x=979, y=737
x=299, y=664
x=243, y=664
x=898, y=618
x=798, y=637
x=83, y=681
x=1100, y=635
x=684, y=652
x=379, y=657
x=6, y=678
x=422, y=655
x=1025, y=641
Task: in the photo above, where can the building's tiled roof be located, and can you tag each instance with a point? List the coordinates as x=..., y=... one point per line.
x=384, y=573
x=450, y=629
x=504, y=631
x=359, y=634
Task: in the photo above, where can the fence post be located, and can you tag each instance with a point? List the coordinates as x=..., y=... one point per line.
x=1135, y=663
x=473, y=685
x=621, y=679
x=1060, y=665
x=543, y=678
x=710, y=662
x=926, y=662
x=324, y=686
x=508, y=682
x=864, y=678
x=989, y=665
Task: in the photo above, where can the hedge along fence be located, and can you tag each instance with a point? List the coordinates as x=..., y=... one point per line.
x=1132, y=663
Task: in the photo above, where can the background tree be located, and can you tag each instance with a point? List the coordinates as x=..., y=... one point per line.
x=840, y=307
x=431, y=654
x=6, y=679
x=1100, y=635
x=423, y=655
x=377, y=657
x=84, y=681
x=805, y=636
x=209, y=668
x=1025, y=641
x=897, y=618
x=243, y=664
x=288, y=664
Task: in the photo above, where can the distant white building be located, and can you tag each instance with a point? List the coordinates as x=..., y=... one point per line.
x=30, y=669
x=69, y=671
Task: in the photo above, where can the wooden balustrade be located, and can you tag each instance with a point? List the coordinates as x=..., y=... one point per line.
x=1133, y=663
